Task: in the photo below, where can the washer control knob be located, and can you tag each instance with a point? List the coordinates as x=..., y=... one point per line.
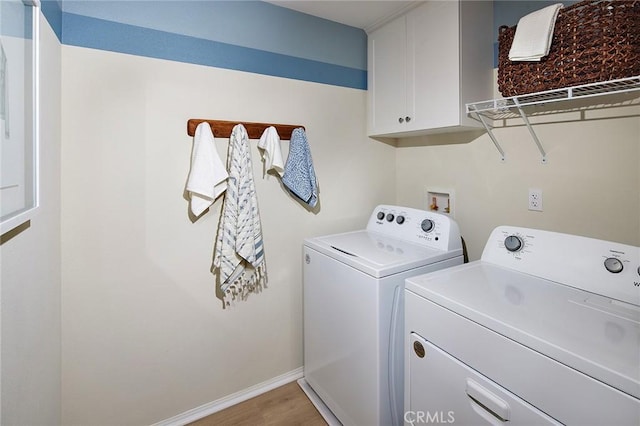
x=513, y=243
x=427, y=225
x=400, y=220
x=380, y=215
x=613, y=265
x=390, y=217
x=638, y=270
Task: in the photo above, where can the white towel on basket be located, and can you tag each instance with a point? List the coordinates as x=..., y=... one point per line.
x=208, y=176
x=272, y=151
x=238, y=257
x=534, y=33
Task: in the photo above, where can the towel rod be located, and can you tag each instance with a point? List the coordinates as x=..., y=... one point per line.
x=222, y=129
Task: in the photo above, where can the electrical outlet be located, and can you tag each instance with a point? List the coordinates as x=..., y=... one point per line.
x=535, y=200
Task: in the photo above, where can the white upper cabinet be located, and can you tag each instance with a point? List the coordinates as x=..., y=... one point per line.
x=424, y=66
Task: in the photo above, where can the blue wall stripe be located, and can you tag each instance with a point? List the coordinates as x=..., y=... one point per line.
x=52, y=10
x=254, y=24
x=95, y=33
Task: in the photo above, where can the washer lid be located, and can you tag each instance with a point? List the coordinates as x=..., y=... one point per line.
x=593, y=334
x=376, y=254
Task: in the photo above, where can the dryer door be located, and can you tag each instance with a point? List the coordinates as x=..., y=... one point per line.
x=444, y=390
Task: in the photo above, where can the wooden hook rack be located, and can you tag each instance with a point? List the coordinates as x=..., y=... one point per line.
x=222, y=129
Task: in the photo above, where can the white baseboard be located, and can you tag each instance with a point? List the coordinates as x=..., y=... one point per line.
x=233, y=399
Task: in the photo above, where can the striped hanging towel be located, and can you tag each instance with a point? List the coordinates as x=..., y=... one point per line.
x=238, y=257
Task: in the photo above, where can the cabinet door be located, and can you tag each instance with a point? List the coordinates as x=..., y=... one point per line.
x=444, y=390
x=433, y=65
x=386, y=81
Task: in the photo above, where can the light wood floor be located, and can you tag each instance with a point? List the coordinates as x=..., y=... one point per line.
x=286, y=405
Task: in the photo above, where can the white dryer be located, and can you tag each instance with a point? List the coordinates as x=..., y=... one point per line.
x=353, y=310
x=543, y=329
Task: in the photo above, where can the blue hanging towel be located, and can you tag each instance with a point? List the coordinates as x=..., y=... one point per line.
x=299, y=176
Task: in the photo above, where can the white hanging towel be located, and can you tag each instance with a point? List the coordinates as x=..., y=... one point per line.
x=534, y=33
x=271, y=150
x=238, y=257
x=208, y=176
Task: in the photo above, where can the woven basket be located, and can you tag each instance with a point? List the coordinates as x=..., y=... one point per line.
x=593, y=41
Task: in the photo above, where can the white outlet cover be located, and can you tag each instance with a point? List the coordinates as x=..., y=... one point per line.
x=535, y=200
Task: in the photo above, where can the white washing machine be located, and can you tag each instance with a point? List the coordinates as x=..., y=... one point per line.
x=543, y=329
x=353, y=310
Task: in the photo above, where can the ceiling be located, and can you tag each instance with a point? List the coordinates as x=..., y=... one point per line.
x=363, y=14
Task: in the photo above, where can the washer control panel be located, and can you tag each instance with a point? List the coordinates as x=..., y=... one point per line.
x=417, y=226
x=602, y=267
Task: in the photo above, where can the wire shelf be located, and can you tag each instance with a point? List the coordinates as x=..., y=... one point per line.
x=549, y=102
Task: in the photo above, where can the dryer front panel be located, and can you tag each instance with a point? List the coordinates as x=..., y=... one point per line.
x=444, y=390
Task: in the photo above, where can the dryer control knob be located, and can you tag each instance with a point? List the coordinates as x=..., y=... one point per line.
x=390, y=217
x=513, y=243
x=400, y=220
x=427, y=225
x=613, y=265
x=380, y=215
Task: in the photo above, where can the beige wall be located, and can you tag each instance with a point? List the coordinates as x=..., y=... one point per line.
x=591, y=183
x=144, y=337
x=30, y=275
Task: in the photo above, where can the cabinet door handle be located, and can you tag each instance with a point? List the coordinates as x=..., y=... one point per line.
x=400, y=120
x=407, y=119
